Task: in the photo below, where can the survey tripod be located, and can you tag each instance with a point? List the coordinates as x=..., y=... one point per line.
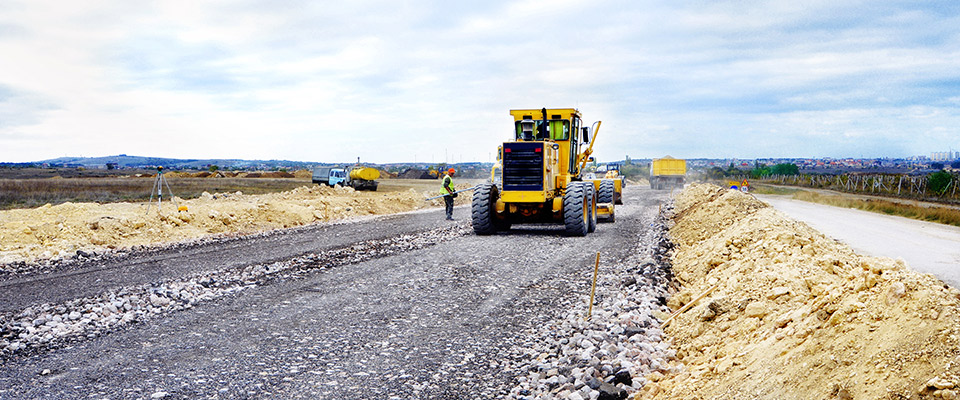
x=157, y=189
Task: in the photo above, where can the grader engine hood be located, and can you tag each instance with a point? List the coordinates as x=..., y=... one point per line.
x=529, y=171
x=523, y=166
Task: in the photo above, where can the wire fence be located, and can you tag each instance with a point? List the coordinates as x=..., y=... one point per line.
x=905, y=186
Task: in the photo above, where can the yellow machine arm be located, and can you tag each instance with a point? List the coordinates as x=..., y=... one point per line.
x=586, y=153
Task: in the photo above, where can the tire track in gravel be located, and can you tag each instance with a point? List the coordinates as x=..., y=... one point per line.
x=80, y=278
x=46, y=325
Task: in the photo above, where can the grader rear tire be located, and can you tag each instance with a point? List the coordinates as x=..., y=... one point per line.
x=574, y=210
x=606, y=191
x=482, y=209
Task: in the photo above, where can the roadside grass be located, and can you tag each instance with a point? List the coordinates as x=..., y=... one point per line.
x=27, y=193
x=773, y=190
x=941, y=215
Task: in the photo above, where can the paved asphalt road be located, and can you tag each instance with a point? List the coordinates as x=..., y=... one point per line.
x=435, y=322
x=926, y=246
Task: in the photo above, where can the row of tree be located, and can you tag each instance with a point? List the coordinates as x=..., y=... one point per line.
x=758, y=171
x=940, y=166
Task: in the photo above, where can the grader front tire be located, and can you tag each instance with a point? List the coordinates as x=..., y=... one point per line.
x=591, y=207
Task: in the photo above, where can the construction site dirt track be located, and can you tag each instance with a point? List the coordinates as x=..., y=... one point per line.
x=429, y=314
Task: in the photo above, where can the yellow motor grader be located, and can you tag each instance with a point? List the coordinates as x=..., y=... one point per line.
x=540, y=178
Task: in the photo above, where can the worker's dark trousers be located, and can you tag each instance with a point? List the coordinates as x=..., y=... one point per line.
x=448, y=201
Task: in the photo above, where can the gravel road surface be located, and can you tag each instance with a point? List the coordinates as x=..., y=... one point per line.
x=82, y=278
x=437, y=321
x=926, y=246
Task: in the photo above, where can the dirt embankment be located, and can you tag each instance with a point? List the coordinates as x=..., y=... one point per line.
x=52, y=232
x=795, y=315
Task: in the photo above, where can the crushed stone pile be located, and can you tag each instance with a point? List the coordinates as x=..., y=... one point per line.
x=607, y=355
x=63, y=231
x=792, y=314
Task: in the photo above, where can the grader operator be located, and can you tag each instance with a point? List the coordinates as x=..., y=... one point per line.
x=540, y=176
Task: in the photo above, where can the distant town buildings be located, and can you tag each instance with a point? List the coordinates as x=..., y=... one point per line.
x=944, y=155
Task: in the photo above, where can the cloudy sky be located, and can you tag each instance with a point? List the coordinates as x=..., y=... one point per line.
x=392, y=81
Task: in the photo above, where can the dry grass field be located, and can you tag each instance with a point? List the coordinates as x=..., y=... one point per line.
x=27, y=193
x=35, y=187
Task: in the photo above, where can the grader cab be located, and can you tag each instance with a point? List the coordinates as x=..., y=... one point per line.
x=540, y=176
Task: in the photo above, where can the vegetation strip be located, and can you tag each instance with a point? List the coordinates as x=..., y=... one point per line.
x=931, y=213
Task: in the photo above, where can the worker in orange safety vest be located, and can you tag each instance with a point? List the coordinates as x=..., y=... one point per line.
x=448, y=192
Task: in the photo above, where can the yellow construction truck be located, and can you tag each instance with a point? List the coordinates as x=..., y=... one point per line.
x=540, y=176
x=357, y=177
x=667, y=172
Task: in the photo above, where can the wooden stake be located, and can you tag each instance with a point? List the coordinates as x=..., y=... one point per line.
x=687, y=306
x=593, y=290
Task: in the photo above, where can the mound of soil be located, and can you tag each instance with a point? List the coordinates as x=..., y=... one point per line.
x=792, y=314
x=54, y=232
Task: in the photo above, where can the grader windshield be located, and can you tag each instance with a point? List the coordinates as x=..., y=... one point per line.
x=531, y=129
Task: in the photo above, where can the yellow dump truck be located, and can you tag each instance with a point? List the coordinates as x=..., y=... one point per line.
x=667, y=172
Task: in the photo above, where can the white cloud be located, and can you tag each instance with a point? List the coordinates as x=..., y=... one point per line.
x=396, y=81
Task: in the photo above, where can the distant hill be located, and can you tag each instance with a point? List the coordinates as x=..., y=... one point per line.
x=125, y=161
x=138, y=162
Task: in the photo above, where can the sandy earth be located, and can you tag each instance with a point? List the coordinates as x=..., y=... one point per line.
x=54, y=232
x=792, y=314
x=926, y=246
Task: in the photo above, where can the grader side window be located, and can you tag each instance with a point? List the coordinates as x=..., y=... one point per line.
x=559, y=129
